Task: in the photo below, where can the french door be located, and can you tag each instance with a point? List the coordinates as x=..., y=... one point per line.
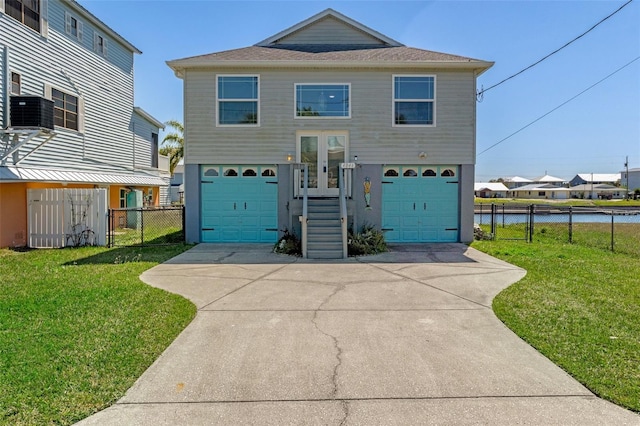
x=323, y=151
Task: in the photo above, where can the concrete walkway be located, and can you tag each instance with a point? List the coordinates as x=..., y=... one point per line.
x=406, y=337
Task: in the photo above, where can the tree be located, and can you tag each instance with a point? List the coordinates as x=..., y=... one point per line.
x=173, y=144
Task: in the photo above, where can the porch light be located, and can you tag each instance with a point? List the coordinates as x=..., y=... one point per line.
x=422, y=155
x=289, y=157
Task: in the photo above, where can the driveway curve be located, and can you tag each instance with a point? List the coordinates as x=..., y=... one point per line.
x=401, y=338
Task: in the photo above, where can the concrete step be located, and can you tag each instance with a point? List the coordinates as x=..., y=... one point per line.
x=323, y=223
x=324, y=238
x=324, y=254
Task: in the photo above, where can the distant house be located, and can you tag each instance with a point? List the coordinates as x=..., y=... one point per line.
x=342, y=99
x=490, y=190
x=516, y=181
x=633, y=179
x=542, y=191
x=177, y=183
x=67, y=114
x=594, y=191
x=596, y=178
x=547, y=179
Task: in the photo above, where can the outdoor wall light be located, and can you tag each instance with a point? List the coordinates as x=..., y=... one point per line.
x=355, y=158
x=422, y=155
x=289, y=157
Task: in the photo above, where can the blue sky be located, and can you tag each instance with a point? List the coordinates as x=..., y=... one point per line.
x=591, y=134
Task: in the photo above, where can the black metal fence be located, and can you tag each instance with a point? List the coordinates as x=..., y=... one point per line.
x=146, y=226
x=616, y=229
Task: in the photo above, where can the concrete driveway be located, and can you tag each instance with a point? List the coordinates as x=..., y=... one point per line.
x=406, y=337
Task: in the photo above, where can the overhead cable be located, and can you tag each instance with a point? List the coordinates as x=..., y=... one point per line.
x=559, y=106
x=481, y=92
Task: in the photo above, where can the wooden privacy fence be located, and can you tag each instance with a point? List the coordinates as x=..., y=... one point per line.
x=67, y=217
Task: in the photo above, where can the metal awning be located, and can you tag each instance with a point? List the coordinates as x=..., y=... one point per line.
x=27, y=174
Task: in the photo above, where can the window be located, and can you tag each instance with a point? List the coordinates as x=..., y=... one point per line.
x=25, y=11
x=73, y=27
x=413, y=100
x=99, y=45
x=322, y=100
x=65, y=109
x=154, y=150
x=15, y=83
x=237, y=100
x=123, y=198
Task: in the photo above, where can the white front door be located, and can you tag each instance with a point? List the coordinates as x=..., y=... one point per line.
x=323, y=152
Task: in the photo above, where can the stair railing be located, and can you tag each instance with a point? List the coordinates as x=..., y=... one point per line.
x=343, y=209
x=304, y=219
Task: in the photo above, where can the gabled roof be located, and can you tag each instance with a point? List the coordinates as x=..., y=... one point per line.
x=539, y=187
x=283, y=49
x=490, y=186
x=151, y=119
x=548, y=178
x=376, y=37
x=599, y=177
x=517, y=179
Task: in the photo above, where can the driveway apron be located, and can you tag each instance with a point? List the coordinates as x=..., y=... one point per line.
x=405, y=337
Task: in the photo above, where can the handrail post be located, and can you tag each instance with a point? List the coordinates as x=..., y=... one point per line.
x=304, y=219
x=343, y=211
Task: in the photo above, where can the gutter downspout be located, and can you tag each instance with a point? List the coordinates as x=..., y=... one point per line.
x=7, y=85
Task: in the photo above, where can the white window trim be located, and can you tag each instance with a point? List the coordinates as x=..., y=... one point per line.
x=393, y=100
x=295, y=101
x=67, y=26
x=11, y=92
x=96, y=49
x=238, y=100
x=44, y=24
x=48, y=95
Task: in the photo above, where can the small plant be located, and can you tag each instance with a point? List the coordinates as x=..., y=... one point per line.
x=289, y=244
x=368, y=241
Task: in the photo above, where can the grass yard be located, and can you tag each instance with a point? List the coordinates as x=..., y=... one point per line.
x=580, y=307
x=77, y=328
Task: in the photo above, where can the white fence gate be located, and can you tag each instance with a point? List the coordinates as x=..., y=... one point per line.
x=67, y=217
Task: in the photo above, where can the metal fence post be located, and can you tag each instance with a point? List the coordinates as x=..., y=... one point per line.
x=531, y=224
x=612, y=228
x=570, y=225
x=142, y=226
x=493, y=221
x=108, y=227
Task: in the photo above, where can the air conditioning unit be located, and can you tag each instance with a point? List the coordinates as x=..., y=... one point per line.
x=31, y=111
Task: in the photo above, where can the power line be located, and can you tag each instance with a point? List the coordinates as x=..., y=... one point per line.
x=480, y=93
x=559, y=106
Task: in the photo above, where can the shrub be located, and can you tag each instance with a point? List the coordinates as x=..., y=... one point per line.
x=289, y=244
x=368, y=241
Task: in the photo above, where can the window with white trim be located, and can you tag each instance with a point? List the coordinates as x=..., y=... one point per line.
x=73, y=26
x=25, y=11
x=414, y=100
x=238, y=100
x=123, y=198
x=16, y=83
x=100, y=45
x=323, y=100
x=65, y=109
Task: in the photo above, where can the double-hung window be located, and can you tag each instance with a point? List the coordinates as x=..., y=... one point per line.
x=73, y=26
x=99, y=44
x=238, y=100
x=414, y=98
x=323, y=100
x=25, y=11
x=16, y=85
x=65, y=109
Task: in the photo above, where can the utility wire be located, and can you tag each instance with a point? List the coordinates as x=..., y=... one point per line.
x=480, y=93
x=559, y=106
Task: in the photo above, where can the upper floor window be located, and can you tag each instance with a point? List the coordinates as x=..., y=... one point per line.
x=65, y=109
x=322, y=100
x=73, y=27
x=414, y=100
x=154, y=150
x=16, y=84
x=25, y=11
x=238, y=100
x=99, y=44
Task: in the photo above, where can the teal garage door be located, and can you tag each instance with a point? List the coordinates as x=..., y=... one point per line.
x=239, y=204
x=420, y=204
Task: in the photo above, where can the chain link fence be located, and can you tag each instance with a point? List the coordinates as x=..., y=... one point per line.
x=146, y=226
x=615, y=229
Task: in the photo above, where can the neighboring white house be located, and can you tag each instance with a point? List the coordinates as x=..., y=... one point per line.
x=542, y=191
x=547, y=179
x=633, y=179
x=593, y=191
x=516, y=181
x=325, y=92
x=67, y=117
x=490, y=190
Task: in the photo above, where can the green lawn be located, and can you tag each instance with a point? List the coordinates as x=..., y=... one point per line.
x=77, y=328
x=580, y=307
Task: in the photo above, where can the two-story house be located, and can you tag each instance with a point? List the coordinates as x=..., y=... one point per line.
x=387, y=133
x=67, y=116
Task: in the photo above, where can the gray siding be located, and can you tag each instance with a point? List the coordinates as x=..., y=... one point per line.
x=142, y=130
x=329, y=31
x=104, y=86
x=372, y=136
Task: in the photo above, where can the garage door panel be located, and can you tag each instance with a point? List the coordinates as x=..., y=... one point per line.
x=241, y=207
